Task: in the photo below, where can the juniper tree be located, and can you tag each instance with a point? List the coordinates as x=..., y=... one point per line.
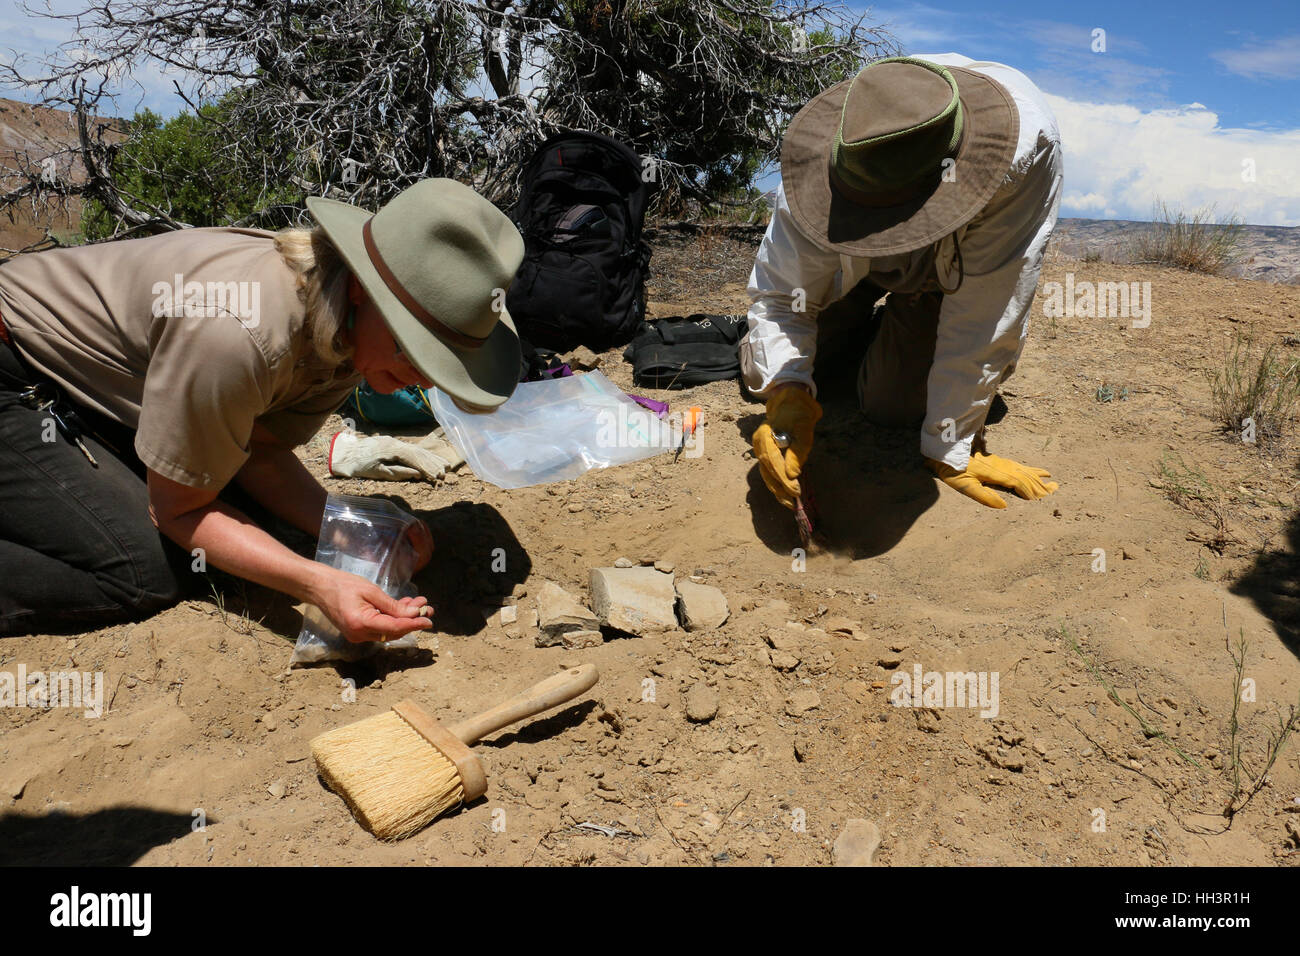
x=358, y=99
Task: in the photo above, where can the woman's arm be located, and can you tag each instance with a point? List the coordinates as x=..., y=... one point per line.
x=278, y=480
x=194, y=518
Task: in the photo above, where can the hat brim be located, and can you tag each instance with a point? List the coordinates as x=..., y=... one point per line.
x=484, y=377
x=992, y=127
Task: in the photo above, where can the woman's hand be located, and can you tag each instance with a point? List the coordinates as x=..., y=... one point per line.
x=363, y=612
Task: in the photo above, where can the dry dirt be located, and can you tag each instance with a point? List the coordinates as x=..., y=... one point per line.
x=205, y=715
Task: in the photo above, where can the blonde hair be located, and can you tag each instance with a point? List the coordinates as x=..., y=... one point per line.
x=322, y=283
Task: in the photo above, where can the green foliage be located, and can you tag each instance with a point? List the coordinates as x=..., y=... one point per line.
x=183, y=168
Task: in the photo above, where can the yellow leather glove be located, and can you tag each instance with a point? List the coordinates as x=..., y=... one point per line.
x=793, y=412
x=984, y=470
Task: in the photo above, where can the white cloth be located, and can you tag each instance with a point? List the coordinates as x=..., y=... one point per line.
x=385, y=458
x=982, y=326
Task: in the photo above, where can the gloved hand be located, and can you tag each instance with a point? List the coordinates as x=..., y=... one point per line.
x=792, y=411
x=984, y=470
x=385, y=458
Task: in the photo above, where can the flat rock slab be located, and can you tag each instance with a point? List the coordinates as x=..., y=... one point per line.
x=701, y=607
x=559, y=611
x=636, y=600
x=857, y=845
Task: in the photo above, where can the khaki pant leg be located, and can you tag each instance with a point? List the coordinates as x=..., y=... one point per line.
x=892, y=377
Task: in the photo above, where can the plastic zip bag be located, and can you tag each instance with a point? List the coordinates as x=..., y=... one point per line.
x=363, y=536
x=554, y=430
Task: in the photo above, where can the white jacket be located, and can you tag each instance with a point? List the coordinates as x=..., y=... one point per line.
x=982, y=326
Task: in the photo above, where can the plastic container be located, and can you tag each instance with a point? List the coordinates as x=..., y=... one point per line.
x=554, y=430
x=364, y=536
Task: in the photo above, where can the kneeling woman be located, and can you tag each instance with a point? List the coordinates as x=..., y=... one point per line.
x=208, y=355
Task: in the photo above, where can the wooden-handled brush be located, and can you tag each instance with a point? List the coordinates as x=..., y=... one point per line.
x=400, y=770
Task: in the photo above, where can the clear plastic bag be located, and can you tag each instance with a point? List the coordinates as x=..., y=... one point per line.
x=363, y=536
x=554, y=430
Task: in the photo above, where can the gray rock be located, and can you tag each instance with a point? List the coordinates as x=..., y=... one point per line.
x=624, y=563
x=701, y=607
x=857, y=845
x=557, y=612
x=636, y=600
x=701, y=703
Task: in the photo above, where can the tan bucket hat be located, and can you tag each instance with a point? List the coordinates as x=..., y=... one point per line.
x=436, y=261
x=863, y=163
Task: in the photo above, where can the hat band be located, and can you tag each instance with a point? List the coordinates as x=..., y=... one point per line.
x=425, y=317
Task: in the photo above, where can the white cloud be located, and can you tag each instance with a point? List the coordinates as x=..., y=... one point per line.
x=1086, y=202
x=1181, y=156
x=1275, y=59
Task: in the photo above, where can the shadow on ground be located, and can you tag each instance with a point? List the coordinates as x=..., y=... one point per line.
x=1273, y=584
x=477, y=560
x=116, y=836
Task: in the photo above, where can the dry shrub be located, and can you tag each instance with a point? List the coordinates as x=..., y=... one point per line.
x=1192, y=241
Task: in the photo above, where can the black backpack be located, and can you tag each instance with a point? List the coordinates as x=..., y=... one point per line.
x=580, y=211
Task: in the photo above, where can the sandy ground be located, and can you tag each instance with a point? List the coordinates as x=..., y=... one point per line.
x=1112, y=742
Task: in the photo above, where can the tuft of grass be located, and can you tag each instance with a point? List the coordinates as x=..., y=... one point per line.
x=1253, y=393
x=1193, y=241
x=239, y=623
x=1183, y=484
x=1192, y=491
x=1244, y=792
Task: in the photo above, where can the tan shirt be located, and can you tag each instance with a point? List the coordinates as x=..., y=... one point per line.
x=189, y=337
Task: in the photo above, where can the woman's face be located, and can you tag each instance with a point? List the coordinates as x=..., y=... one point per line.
x=375, y=353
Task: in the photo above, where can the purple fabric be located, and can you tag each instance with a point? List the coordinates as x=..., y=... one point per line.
x=561, y=371
x=659, y=408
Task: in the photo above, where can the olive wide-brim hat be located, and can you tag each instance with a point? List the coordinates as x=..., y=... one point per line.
x=899, y=156
x=436, y=261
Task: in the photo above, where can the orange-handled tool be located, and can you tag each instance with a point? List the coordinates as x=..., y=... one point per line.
x=690, y=420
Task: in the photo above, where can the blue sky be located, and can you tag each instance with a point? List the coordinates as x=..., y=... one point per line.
x=1184, y=94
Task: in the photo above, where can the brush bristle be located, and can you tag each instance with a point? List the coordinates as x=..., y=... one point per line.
x=394, y=781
